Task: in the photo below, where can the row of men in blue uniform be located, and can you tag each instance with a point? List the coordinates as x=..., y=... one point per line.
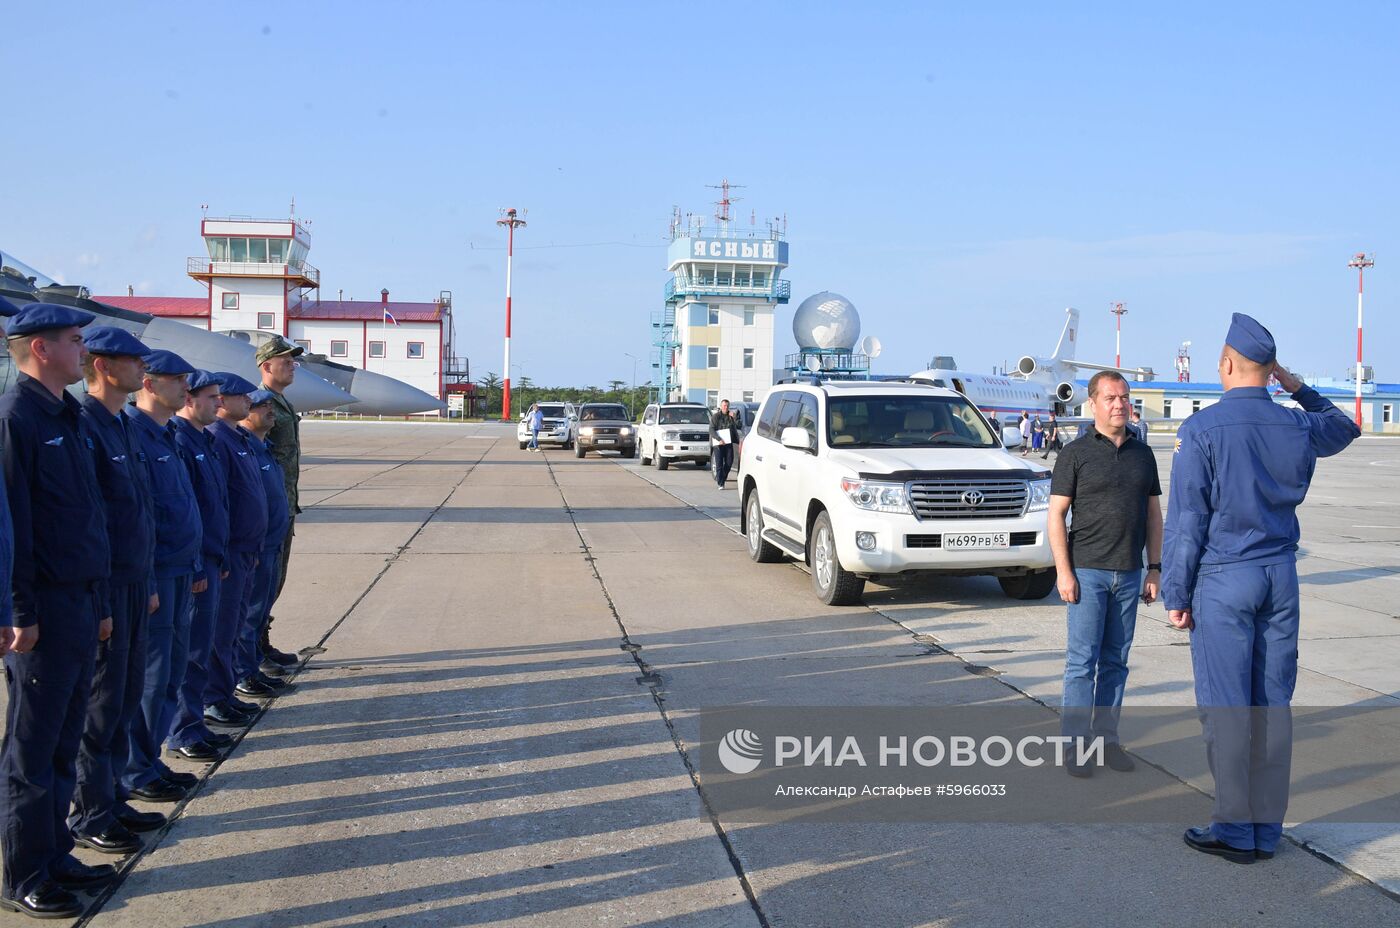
x=139, y=545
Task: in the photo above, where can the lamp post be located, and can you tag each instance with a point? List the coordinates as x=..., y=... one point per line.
x=632, y=397
x=1360, y=261
x=511, y=221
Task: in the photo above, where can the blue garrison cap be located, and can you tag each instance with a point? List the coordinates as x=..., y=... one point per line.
x=1251, y=339
x=108, y=339
x=233, y=385
x=161, y=361
x=258, y=397
x=44, y=317
x=200, y=379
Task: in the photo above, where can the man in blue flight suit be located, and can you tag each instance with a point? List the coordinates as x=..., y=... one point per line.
x=113, y=368
x=60, y=609
x=262, y=416
x=1240, y=470
x=190, y=738
x=179, y=536
x=247, y=511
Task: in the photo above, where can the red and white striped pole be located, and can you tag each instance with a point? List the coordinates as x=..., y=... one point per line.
x=510, y=221
x=1118, y=309
x=1361, y=261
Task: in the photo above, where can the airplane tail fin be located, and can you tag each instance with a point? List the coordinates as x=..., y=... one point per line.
x=1065, y=347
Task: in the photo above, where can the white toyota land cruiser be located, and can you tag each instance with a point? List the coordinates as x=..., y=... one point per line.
x=866, y=478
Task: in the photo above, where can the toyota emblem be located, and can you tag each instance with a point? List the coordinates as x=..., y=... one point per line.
x=972, y=498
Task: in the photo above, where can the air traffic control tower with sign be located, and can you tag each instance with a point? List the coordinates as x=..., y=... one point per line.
x=714, y=339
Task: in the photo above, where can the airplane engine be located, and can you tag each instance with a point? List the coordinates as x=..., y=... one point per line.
x=1029, y=364
x=1070, y=394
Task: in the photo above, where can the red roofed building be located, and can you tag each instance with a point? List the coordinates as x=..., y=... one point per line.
x=257, y=278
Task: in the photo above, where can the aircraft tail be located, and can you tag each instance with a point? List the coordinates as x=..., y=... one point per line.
x=1065, y=347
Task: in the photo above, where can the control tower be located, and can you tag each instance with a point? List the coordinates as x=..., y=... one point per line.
x=255, y=269
x=714, y=340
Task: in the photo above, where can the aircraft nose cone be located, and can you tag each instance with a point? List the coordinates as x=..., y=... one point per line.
x=309, y=392
x=378, y=395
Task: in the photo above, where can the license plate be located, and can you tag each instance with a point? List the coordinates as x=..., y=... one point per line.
x=978, y=540
x=607, y=441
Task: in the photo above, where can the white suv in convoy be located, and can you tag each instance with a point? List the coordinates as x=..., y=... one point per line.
x=560, y=421
x=861, y=479
x=674, y=432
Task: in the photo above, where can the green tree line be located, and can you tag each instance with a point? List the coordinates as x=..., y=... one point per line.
x=524, y=392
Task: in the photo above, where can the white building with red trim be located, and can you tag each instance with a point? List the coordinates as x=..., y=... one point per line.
x=256, y=278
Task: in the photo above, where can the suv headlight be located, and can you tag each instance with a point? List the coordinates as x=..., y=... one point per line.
x=624, y=431
x=673, y=436
x=875, y=495
x=1039, y=493
x=586, y=430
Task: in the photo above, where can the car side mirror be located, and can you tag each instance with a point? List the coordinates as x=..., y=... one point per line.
x=797, y=438
x=1010, y=436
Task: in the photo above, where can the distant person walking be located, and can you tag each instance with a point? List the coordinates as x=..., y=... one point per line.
x=536, y=423
x=1052, y=437
x=1109, y=480
x=1138, y=426
x=725, y=431
x=1037, y=433
x=1025, y=432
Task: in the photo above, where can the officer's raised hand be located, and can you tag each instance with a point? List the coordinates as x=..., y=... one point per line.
x=1181, y=618
x=200, y=585
x=1286, y=378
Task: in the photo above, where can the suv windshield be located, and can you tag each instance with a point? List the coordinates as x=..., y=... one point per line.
x=905, y=422
x=685, y=415
x=591, y=413
x=553, y=412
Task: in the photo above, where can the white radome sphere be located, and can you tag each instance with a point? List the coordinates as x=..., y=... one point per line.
x=826, y=320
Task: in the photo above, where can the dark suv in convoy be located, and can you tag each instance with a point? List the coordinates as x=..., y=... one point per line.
x=605, y=427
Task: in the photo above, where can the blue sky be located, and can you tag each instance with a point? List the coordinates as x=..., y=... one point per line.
x=960, y=172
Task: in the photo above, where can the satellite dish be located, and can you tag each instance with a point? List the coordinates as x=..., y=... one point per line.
x=870, y=346
x=814, y=363
x=826, y=320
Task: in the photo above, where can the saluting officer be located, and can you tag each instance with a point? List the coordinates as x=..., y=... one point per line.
x=252, y=681
x=178, y=541
x=1241, y=468
x=247, y=511
x=61, y=565
x=113, y=368
x=190, y=738
x=275, y=360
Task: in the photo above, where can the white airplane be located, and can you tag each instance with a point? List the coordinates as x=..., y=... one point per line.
x=1039, y=386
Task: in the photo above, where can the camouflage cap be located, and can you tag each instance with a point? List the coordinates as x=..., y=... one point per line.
x=275, y=347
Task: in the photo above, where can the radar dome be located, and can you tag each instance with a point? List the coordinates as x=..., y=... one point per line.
x=826, y=320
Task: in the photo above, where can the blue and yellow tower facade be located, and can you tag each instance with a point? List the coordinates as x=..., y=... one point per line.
x=714, y=340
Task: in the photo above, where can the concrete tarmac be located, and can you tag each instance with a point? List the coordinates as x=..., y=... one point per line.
x=510, y=649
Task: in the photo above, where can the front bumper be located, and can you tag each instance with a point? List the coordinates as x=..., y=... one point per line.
x=607, y=442
x=897, y=540
x=683, y=450
x=549, y=438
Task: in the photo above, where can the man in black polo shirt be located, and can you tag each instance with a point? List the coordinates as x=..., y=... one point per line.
x=1107, y=478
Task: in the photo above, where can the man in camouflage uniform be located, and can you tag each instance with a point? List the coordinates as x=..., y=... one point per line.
x=275, y=360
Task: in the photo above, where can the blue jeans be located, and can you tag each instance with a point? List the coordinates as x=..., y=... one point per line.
x=534, y=438
x=1096, y=653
